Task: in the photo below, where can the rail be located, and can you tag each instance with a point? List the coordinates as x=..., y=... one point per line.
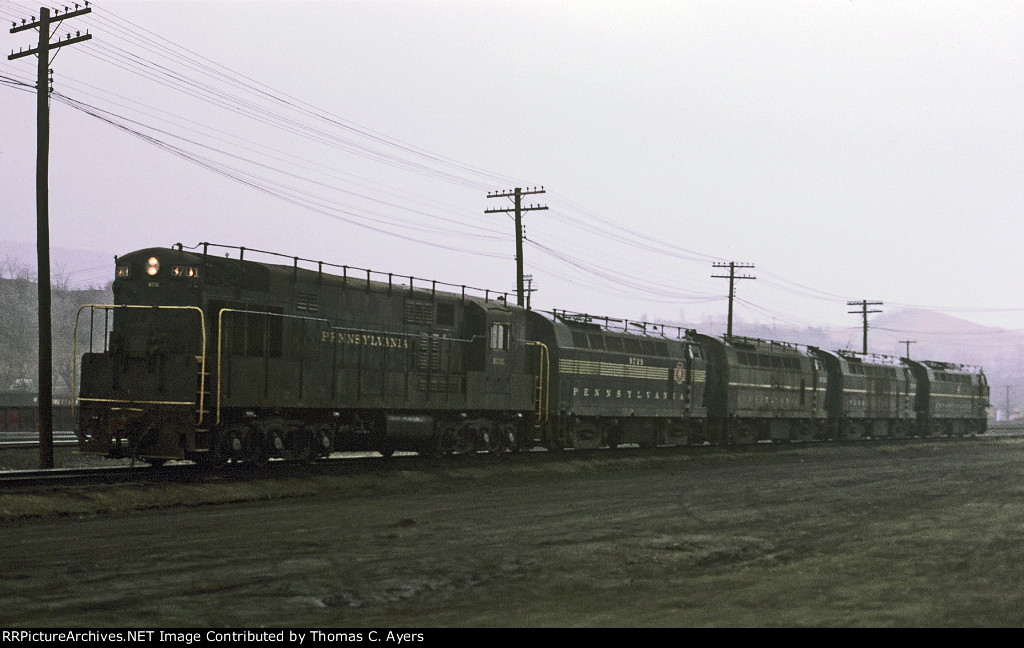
x=651, y=329
x=460, y=289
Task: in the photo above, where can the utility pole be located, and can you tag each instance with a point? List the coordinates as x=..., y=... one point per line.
x=1007, y=402
x=518, y=208
x=865, y=312
x=529, y=289
x=45, y=380
x=732, y=277
x=908, y=343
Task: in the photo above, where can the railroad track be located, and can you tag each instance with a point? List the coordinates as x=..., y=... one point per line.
x=371, y=463
x=26, y=439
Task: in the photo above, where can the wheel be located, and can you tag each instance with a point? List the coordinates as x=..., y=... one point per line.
x=465, y=443
x=745, y=434
x=853, y=431
x=298, y=444
x=614, y=439
x=802, y=432
x=513, y=439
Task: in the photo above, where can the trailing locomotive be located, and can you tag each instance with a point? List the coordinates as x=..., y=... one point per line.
x=214, y=359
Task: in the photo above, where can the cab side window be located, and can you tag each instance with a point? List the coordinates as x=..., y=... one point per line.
x=498, y=340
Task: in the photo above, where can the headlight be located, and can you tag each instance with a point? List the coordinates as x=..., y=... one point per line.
x=152, y=266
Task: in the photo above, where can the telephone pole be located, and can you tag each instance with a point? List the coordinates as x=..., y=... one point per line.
x=517, y=208
x=732, y=277
x=42, y=51
x=865, y=312
x=529, y=289
x=908, y=343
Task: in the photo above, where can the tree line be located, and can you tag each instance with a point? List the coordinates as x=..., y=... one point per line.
x=19, y=327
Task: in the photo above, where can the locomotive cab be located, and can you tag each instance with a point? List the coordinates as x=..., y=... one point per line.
x=143, y=372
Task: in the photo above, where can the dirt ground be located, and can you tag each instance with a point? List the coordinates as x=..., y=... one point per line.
x=923, y=534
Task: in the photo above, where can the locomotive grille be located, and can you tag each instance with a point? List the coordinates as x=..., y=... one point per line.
x=307, y=301
x=428, y=354
x=417, y=312
x=440, y=384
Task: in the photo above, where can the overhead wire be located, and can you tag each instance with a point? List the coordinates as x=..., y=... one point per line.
x=255, y=182
x=207, y=81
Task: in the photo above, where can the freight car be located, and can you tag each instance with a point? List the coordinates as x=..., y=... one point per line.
x=19, y=412
x=213, y=359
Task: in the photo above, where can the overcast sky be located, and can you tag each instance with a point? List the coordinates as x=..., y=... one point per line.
x=848, y=150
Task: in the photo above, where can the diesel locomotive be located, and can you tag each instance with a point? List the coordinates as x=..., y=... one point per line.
x=215, y=358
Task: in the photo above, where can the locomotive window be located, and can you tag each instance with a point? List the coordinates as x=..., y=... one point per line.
x=579, y=340
x=596, y=341
x=499, y=336
x=647, y=346
x=661, y=348
x=614, y=344
x=632, y=345
x=764, y=361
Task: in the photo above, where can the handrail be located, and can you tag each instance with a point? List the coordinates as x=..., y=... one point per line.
x=320, y=265
x=109, y=307
x=543, y=382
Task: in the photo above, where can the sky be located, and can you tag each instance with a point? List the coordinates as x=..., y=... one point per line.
x=845, y=150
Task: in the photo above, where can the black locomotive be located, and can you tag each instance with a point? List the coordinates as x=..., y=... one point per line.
x=220, y=359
